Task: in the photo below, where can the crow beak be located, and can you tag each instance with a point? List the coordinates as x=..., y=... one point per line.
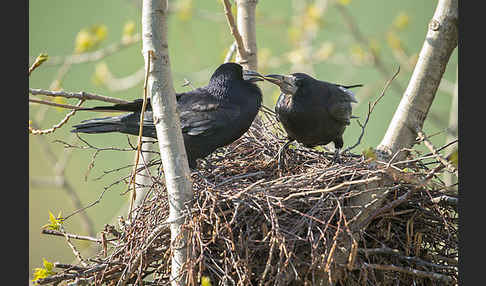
x=285, y=82
x=252, y=76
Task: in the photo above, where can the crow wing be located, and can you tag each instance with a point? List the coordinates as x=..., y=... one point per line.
x=203, y=115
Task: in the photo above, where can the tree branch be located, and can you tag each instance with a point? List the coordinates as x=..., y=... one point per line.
x=234, y=30
x=140, y=132
x=96, y=55
x=35, y=131
x=422, y=137
x=371, y=106
x=410, y=271
x=79, y=95
x=230, y=53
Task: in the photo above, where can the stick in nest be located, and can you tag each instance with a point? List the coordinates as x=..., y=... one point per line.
x=371, y=106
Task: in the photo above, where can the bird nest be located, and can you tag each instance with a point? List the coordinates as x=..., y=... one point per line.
x=251, y=223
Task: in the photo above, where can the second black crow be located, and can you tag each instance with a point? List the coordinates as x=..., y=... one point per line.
x=212, y=116
x=311, y=111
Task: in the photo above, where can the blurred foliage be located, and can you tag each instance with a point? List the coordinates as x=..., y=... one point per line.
x=89, y=38
x=291, y=34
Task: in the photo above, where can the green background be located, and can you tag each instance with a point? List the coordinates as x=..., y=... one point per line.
x=198, y=42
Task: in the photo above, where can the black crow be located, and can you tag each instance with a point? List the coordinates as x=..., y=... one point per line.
x=212, y=116
x=312, y=112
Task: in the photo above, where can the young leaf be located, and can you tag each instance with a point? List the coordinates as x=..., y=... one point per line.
x=46, y=271
x=55, y=223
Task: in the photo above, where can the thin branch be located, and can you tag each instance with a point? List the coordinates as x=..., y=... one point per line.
x=423, y=138
x=230, y=53
x=65, y=276
x=331, y=189
x=396, y=252
x=71, y=245
x=448, y=200
x=396, y=202
x=234, y=30
x=150, y=239
x=96, y=55
x=370, y=109
x=34, y=131
x=411, y=271
x=140, y=133
x=88, y=206
x=79, y=95
x=74, y=236
x=50, y=103
x=59, y=180
x=123, y=83
x=358, y=35
x=38, y=61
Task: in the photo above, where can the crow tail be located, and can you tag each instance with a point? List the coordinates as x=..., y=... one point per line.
x=98, y=125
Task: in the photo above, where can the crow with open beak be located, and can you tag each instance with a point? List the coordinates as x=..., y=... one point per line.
x=211, y=116
x=311, y=111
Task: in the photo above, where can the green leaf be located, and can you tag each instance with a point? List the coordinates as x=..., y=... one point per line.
x=205, y=281
x=55, y=222
x=369, y=153
x=454, y=157
x=42, y=57
x=48, y=265
x=41, y=273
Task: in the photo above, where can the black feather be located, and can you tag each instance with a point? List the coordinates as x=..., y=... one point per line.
x=211, y=116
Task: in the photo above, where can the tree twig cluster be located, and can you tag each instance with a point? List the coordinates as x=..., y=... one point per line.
x=253, y=224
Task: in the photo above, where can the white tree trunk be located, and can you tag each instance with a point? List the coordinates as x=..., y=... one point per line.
x=143, y=178
x=167, y=123
x=245, y=21
x=449, y=178
x=440, y=41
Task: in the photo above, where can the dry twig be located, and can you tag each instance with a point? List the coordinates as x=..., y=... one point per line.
x=253, y=226
x=234, y=30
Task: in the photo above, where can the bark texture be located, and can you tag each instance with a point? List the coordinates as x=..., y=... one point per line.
x=440, y=41
x=171, y=144
x=246, y=26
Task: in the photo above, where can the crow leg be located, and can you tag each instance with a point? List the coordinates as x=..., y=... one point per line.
x=337, y=156
x=281, y=152
x=338, y=144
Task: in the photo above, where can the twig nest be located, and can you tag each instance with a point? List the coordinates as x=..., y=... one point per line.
x=252, y=224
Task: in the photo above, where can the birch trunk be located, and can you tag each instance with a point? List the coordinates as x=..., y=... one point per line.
x=168, y=127
x=440, y=41
x=245, y=21
x=449, y=178
x=143, y=178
